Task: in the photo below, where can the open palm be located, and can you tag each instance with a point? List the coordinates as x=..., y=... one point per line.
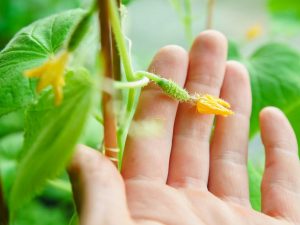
x=185, y=175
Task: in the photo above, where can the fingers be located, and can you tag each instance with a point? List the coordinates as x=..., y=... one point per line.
x=281, y=181
x=189, y=162
x=228, y=178
x=98, y=189
x=147, y=155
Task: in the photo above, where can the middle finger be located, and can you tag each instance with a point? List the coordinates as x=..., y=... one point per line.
x=189, y=162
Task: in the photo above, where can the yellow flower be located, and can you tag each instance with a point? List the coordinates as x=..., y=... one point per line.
x=51, y=73
x=254, y=32
x=208, y=104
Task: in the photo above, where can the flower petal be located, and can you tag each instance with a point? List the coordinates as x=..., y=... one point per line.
x=51, y=73
x=208, y=104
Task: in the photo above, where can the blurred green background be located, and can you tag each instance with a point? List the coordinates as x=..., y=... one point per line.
x=149, y=25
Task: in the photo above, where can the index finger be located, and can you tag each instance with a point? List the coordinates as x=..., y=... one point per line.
x=147, y=156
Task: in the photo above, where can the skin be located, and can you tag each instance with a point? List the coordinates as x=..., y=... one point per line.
x=186, y=175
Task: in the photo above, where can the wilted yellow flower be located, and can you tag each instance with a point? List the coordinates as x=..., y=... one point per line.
x=51, y=73
x=254, y=32
x=208, y=104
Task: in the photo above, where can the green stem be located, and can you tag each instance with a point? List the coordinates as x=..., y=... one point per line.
x=187, y=20
x=98, y=116
x=132, y=84
x=120, y=41
x=177, y=7
x=130, y=76
x=185, y=14
x=149, y=75
x=132, y=94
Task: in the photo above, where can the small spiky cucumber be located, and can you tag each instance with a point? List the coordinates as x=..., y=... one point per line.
x=173, y=90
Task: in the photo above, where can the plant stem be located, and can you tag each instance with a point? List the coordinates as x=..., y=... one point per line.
x=119, y=37
x=185, y=16
x=210, y=14
x=116, y=56
x=109, y=119
x=4, y=215
x=106, y=40
x=132, y=84
x=187, y=20
x=129, y=72
x=149, y=75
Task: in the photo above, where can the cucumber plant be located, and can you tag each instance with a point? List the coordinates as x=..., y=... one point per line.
x=56, y=97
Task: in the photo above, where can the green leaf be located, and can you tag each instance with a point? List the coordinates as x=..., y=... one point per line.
x=11, y=123
x=38, y=212
x=16, y=14
x=285, y=14
x=126, y=2
x=93, y=133
x=28, y=49
x=51, y=134
x=275, y=80
x=255, y=177
x=233, y=51
x=287, y=8
x=10, y=146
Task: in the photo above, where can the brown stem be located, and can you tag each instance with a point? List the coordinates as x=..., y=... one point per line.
x=210, y=14
x=3, y=207
x=111, y=69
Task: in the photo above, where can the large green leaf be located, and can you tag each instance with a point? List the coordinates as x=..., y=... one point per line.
x=51, y=134
x=285, y=14
x=233, y=51
x=29, y=48
x=39, y=212
x=275, y=81
x=16, y=14
x=285, y=9
x=255, y=178
x=11, y=123
x=10, y=146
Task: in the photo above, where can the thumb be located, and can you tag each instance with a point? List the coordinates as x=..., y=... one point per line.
x=98, y=189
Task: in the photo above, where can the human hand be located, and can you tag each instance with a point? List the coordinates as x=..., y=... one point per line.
x=185, y=176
